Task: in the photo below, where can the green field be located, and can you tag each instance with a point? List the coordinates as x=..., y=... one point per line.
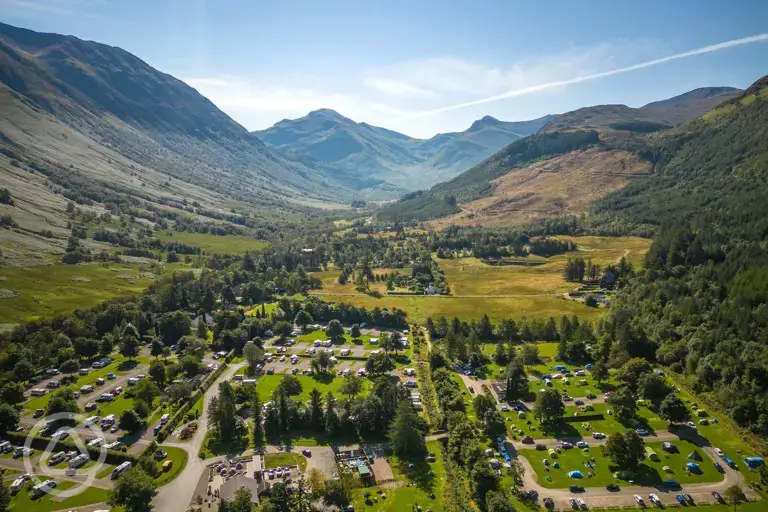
x=45, y=291
x=178, y=457
x=23, y=502
x=649, y=473
x=407, y=497
x=282, y=459
x=320, y=335
x=229, y=244
x=267, y=384
x=500, y=291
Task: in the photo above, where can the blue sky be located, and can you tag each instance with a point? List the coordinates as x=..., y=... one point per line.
x=407, y=65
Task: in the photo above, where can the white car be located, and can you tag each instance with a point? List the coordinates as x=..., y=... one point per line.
x=582, y=444
x=719, y=452
x=60, y=435
x=598, y=435
x=581, y=502
x=654, y=499
x=638, y=499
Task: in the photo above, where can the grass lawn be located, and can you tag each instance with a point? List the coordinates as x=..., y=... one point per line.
x=23, y=502
x=649, y=472
x=118, y=366
x=49, y=290
x=229, y=244
x=282, y=459
x=179, y=458
x=267, y=384
x=105, y=471
x=425, y=478
x=320, y=335
x=269, y=307
x=212, y=447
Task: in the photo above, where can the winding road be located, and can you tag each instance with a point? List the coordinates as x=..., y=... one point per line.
x=176, y=496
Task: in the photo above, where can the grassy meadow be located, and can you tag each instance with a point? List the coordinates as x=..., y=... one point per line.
x=477, y=288
x=49, y=290
x=230, y=244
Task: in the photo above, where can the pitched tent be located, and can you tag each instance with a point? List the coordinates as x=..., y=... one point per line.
x=651, y=454
x=701, y=413
x=521, y=415
x=575, y=474
x=692, y=466
x=694, y=455
x=666, y=469
x=552, y=453
x=754, y=462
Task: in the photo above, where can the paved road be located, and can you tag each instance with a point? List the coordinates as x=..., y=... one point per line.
x=175, y=497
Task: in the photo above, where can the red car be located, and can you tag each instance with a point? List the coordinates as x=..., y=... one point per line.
x=527, y=440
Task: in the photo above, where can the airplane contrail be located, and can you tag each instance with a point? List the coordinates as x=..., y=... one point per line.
x=549, y=85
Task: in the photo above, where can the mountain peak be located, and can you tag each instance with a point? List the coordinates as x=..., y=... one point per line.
x=325, y=112
x=485, y=122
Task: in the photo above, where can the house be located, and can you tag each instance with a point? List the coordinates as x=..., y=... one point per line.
x=206, y=317
x=231, y=485
x=609, y=279
x=430, y=290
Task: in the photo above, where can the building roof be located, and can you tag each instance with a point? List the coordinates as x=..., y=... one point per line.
x=363, y=470
x=228, y=488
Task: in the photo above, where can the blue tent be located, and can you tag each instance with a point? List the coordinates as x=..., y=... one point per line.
x=754, y=462
x=575, y=474
x=692, y=466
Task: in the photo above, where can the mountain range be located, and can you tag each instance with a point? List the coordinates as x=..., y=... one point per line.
x=327, y=137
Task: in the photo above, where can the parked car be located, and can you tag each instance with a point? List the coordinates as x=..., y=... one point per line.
x=639, y=500
x=654, y=499
x=598, y=435
x=38, y=413
x=527, y=440
x=717, y=497
x=582, y=444
x=549, y=503
x=688, y=498
x=719, y=452
x=540, y=447
x=591, y=396
x=641, y=431
x=576, y=488
x=574, y=504
x=680, y=499
x=581, y=503
x=566, y=445
x=612, y=487
x=111, y=376
x=719, y=467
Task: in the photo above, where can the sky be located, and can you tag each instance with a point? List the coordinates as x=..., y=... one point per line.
x=423, y=67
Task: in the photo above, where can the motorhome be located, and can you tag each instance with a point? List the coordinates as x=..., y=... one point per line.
x=108, y=421
x=43, y=488
x=164, y=418
x=79, y=461
x=38, y=391
x=120, y=469
x=86, y=389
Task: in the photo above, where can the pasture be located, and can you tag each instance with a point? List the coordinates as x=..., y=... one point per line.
x=534, y=289
x=49, y=290
x=228, y=244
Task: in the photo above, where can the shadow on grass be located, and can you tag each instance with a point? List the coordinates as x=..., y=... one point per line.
x=214, y=447
x=420, y=474
x=127, y=366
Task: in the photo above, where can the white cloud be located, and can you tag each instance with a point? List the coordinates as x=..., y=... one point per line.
x=259, y=106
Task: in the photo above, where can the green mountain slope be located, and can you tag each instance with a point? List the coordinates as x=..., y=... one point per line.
x=119, y=102
x=360, y=149
x=699, y=306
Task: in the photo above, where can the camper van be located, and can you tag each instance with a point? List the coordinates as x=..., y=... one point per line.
x=108, y=421
x=5, y=447
x=345, y=352
x=43, y=488
x=38, y=391
x=86, y=389
x=91, y=421
x=120, y=469
x=164, y=418
x=79, y=461
x=249, y=382
x=57, y=458
x=17, y=485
